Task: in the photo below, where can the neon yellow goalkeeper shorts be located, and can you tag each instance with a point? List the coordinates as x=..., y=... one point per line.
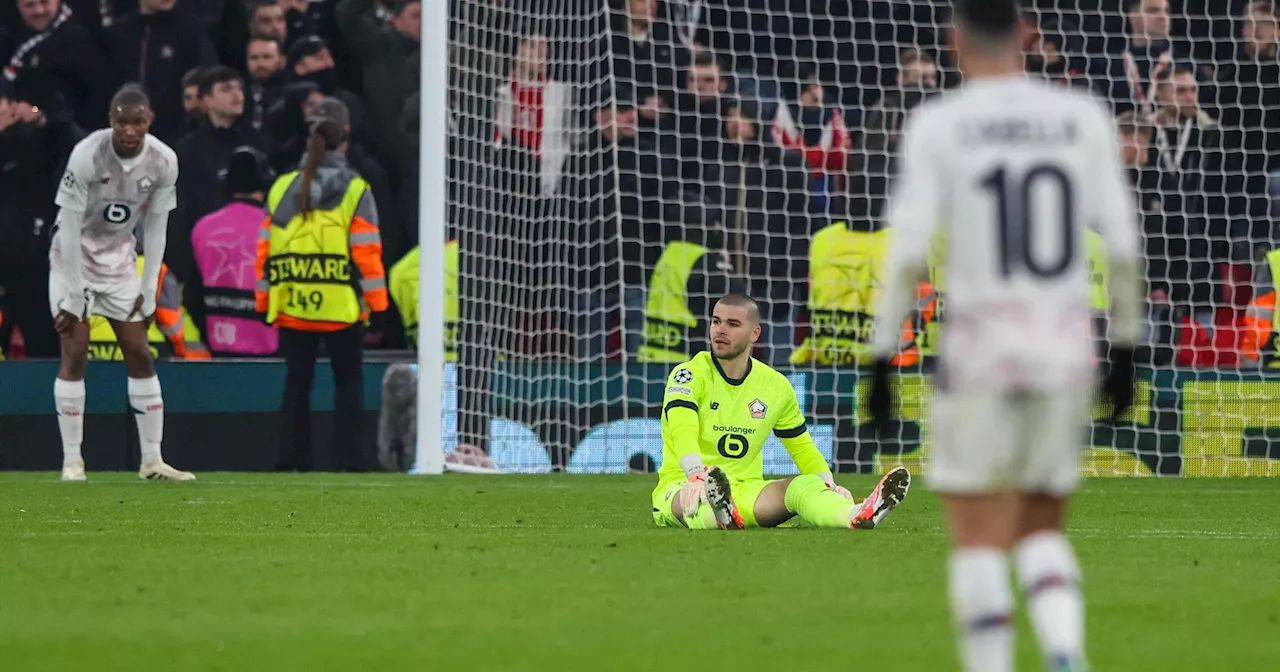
x=745, y=494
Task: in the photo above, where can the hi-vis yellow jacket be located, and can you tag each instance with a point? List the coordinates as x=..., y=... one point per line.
x=844, y=267
x=404, y=291
x=322, y=272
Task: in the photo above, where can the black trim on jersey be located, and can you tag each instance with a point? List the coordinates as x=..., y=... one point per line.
x=791, y=433
x=679, y=403
x=732, y=381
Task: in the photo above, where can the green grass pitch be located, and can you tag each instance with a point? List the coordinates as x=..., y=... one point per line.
x=324, y=572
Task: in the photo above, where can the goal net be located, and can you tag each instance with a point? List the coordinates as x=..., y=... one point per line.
x=617, y=165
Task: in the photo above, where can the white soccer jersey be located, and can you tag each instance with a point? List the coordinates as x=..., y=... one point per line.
x=1010, y=172
x=116, y=196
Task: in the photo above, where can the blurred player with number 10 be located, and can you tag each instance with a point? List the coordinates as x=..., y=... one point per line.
x=1013, y=172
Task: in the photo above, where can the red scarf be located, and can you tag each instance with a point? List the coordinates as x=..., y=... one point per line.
x=526, y=116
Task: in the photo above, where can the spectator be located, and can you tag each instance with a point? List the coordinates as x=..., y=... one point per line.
x=310, y=60
x=646, y=57
x=712, y=130
x=191, y=104
x=36, y=137
x=806, y=124
x=1249, y=89
x=287, y=125
x=388, y=49
x=1050, y=52
x=49, y=42
x=873, y=159
x=265, y=66
x=267, y=20
x=1143, y=57
x=204, y=153
x=156, y=46
x=1189, y=145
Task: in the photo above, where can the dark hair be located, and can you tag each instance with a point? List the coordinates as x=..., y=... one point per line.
x=398, y=6
x=326, y=136
x=131, y=95
x=192, y=78
x=259, y=37
x=216, y=75
x=259, y=4
x=704, y=58
x=1183, y=69
x=991, y=18
x=739, y=300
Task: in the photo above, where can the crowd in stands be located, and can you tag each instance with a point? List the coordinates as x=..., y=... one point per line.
x=582, y=147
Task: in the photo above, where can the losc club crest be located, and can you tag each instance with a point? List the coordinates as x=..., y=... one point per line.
x=146, y=184
x=758, y=409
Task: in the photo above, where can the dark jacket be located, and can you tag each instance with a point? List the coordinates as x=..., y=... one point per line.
x=73, y=58
x=99, y=15
x=1250, y=103
x=32, y=161
x=390, y=72
x=201, y=156
x=157, y=50
x=259, y=97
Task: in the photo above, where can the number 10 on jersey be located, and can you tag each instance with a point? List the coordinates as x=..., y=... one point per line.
x=1016, y=195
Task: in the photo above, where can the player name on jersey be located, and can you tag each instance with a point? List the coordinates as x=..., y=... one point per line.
x=1019, y=131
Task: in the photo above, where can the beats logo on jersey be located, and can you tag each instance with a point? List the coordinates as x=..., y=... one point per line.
x=117, y=213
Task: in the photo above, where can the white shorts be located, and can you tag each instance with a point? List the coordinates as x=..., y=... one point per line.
x=114, y=301
x=1024, y=441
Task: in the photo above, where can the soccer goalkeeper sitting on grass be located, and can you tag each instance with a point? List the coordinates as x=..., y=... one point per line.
x=717, y=412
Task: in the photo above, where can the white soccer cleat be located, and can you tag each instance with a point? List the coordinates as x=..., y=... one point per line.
x=159, y=471
x=889, y=493
x=721, y=500
x=73, y=472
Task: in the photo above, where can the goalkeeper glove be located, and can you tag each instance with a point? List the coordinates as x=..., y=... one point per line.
x=880, y=396
x=832, y=485
x=693, y=494
x=1117, y=385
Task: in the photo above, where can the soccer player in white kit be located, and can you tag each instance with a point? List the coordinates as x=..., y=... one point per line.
x=117, y=179
x=1012, y=171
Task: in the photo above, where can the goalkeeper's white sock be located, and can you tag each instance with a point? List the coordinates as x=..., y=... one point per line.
x=68, y=396
x=982, y=606
x=148, y=409
x=1050, y=576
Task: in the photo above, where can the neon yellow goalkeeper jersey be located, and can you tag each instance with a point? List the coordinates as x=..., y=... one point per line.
x=727, y=421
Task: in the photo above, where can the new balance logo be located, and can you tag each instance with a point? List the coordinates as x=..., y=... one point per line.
x=105, y=180
x=715, y=405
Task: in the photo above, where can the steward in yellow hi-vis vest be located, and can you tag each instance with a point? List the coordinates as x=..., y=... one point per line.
x=1261, y=339
x=172, y=334
x=321, y=271
x=319, y=275
x=1099, y=273
x=686, y=279
x=844, y=265
x=930, y=300
x=403, y=279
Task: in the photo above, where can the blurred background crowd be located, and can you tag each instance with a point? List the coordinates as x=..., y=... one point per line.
x=608, y=157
